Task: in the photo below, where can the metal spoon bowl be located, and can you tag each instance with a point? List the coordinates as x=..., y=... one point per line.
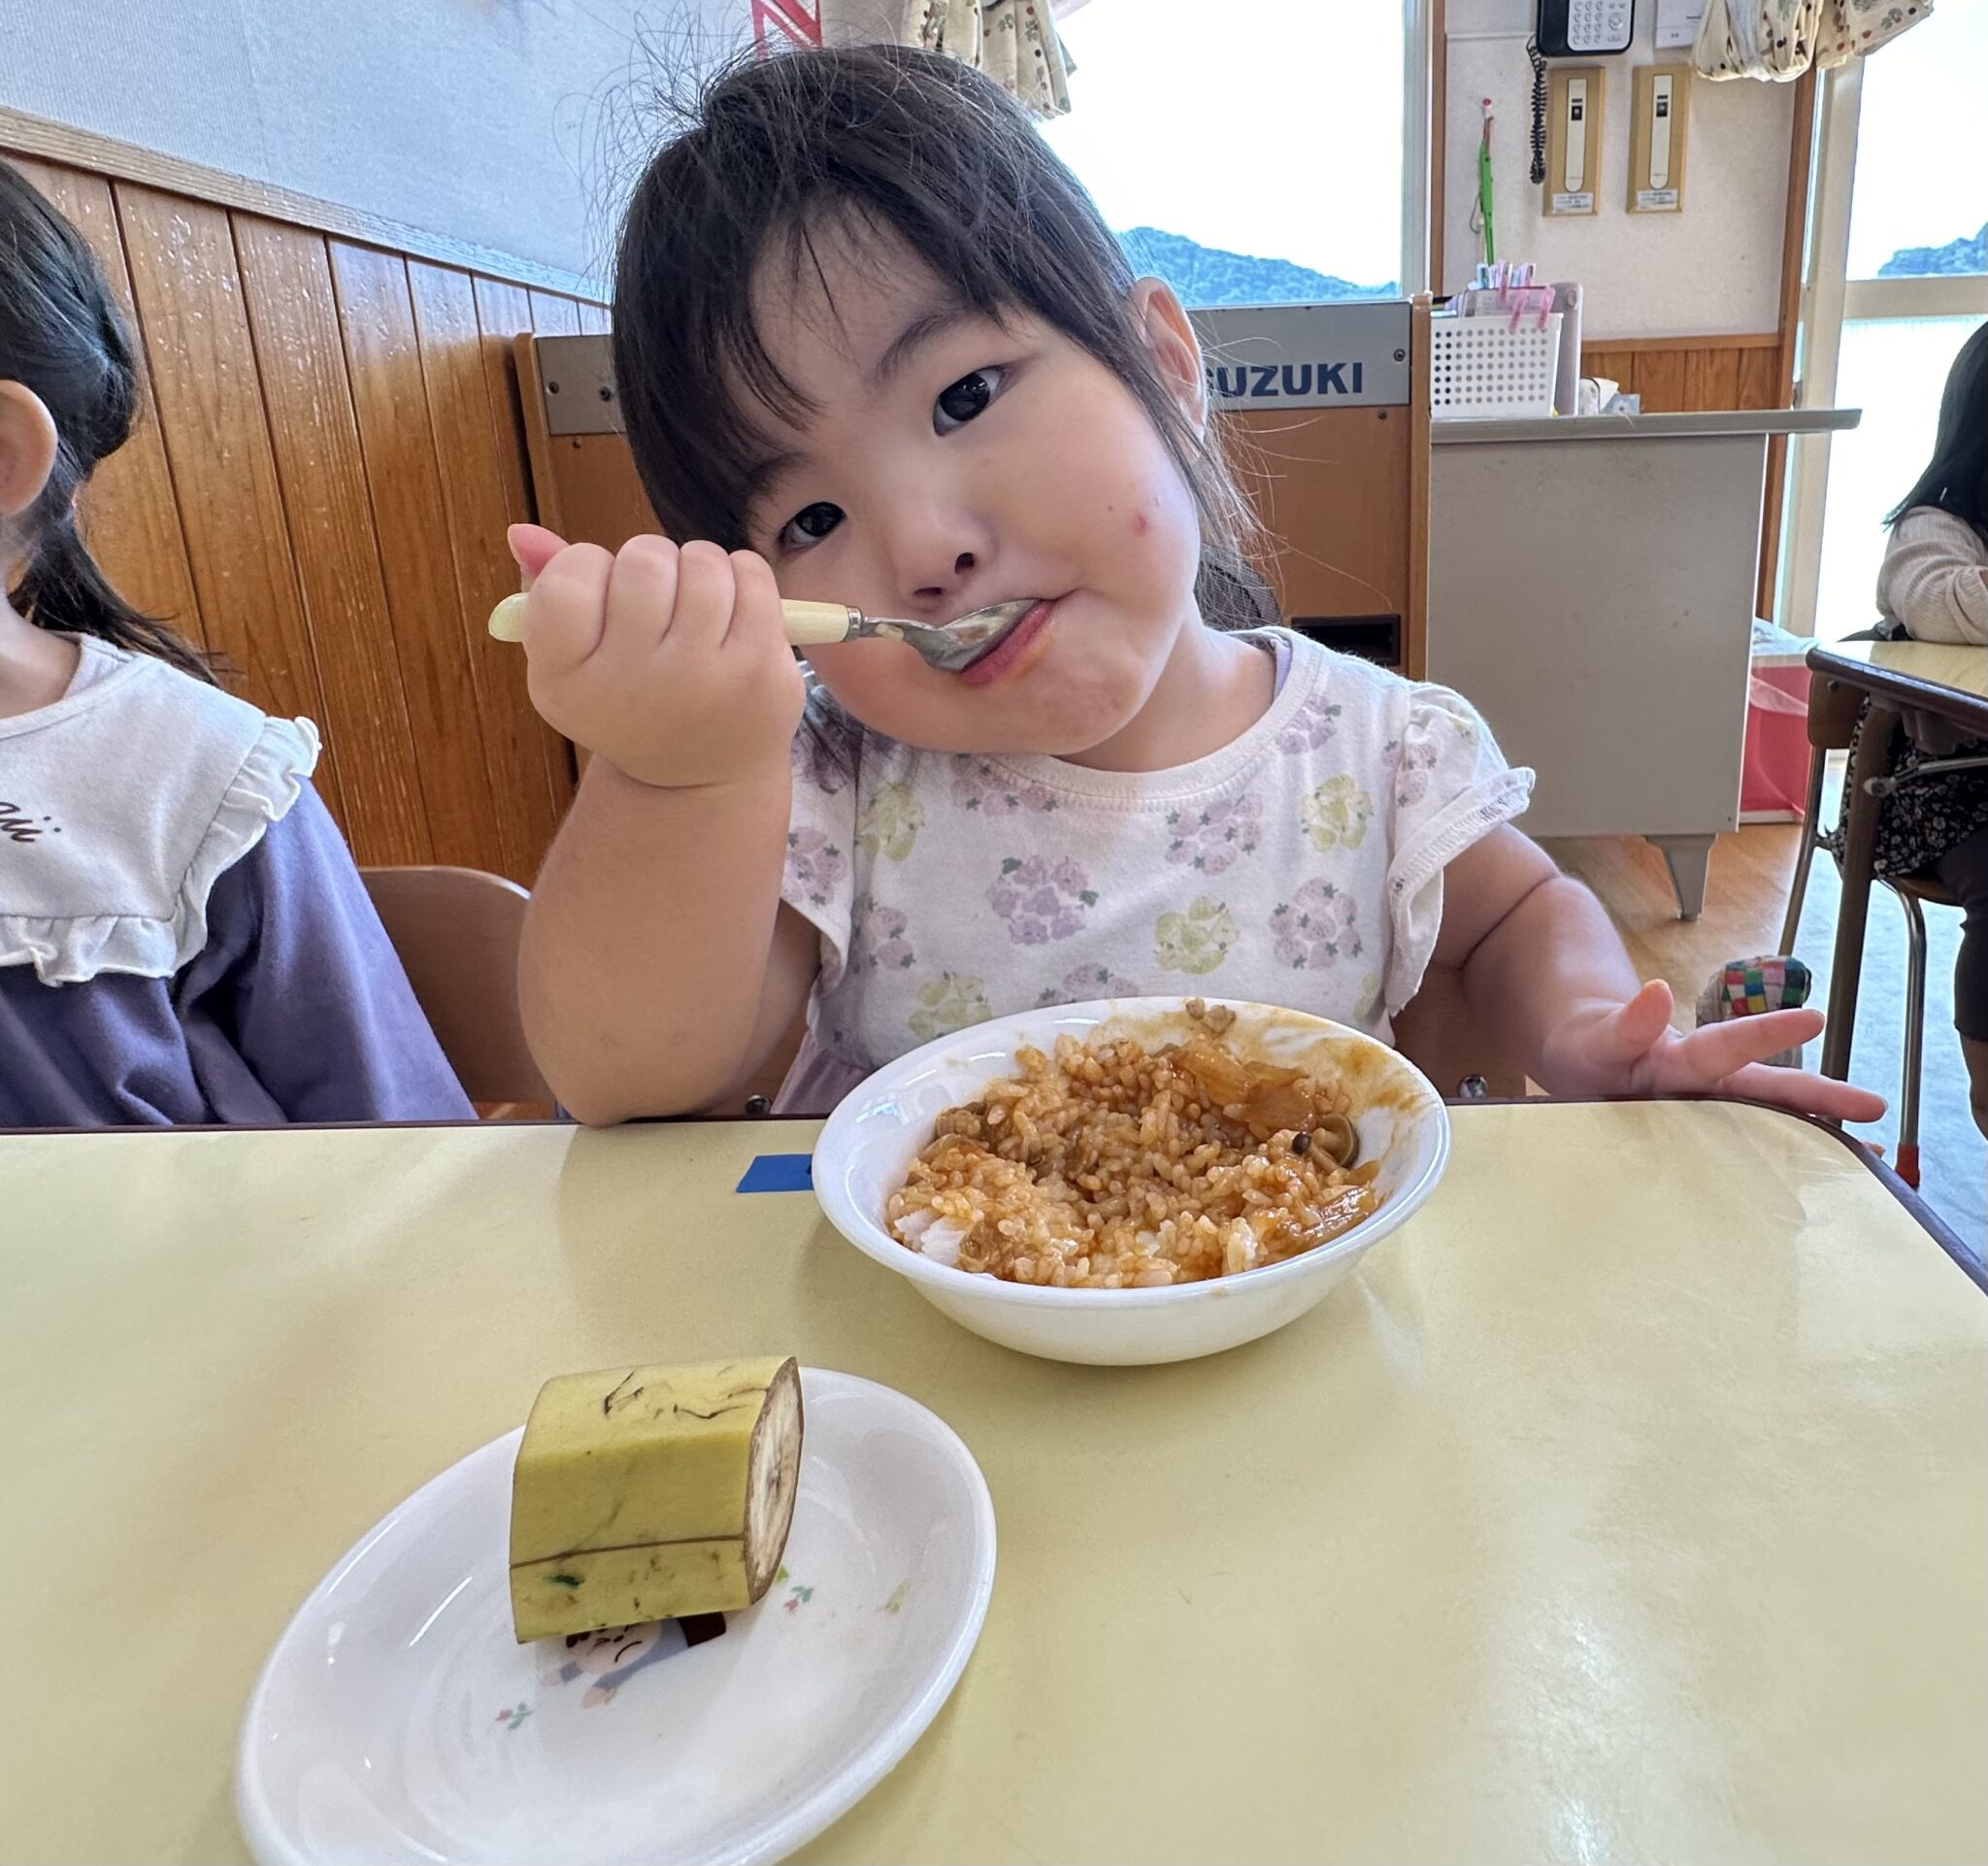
x=947, y=645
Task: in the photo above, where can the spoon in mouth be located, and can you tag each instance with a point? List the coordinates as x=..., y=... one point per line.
x=946, y=645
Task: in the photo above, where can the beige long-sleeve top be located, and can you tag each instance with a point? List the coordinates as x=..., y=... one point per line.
x=1935, y=580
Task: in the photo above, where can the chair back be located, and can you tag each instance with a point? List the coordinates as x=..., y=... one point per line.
x=457, y=931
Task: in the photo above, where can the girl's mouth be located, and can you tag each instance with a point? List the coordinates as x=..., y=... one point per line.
x=1014, y=651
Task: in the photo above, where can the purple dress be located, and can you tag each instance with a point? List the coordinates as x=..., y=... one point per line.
x=295, y=1009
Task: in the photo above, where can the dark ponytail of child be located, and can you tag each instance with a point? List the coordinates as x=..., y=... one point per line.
x=62, y=338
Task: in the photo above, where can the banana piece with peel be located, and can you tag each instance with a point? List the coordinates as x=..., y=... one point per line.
x=651, y=1492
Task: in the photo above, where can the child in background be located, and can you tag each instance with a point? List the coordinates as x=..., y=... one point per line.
x=1934, y=586
x=183, y=935
x=876, y=345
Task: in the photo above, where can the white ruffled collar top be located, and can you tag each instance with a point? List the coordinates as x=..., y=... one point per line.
x=121, y=806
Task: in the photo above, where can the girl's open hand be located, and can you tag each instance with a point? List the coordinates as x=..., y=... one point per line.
x=1631, y=1050
x=671, y=662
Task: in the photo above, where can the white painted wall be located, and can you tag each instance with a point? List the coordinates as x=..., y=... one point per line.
x=1715, y=268
x=494, y=121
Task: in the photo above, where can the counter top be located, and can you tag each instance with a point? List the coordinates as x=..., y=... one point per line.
x=1657, y=427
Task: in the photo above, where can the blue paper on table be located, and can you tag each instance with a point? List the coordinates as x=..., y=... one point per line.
x=779, y=1173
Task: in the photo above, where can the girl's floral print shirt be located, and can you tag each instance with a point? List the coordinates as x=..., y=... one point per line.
x=1300, y=865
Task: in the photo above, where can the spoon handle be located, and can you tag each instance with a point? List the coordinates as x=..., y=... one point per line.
x=808, y=625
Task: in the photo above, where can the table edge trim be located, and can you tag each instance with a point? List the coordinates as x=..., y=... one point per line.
x=1950, y=702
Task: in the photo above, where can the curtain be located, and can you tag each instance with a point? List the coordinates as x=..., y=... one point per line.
x=1779, y=39
x=1014, y=42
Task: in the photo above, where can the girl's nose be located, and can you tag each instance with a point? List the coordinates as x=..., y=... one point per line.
x=938, y=551
x=962, y=568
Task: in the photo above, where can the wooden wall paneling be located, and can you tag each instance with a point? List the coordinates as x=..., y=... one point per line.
x=1660, y=382
x=430, y=625
x=599, y=489
x=586, y=484
x=1616, y=365
x=300, y=353
x=188, y=293
x=504, y=315
x=503, y=312
x=1351, y=464
x=1711, y=379
x=474, y=500
x=553, y=315
x=1691, y=374
x=329, y=449
x=115, y=161
x=1638, y=345
x=1760, y=378
x=130, y=514
x=547, y=492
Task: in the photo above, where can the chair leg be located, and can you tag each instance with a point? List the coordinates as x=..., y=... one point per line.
x=1915, y=1040
x=1812, y=835
x=1860, y=847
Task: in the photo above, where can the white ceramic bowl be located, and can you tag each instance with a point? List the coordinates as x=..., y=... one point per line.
x=871, y=1140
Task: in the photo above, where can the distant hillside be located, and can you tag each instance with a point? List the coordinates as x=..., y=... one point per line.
x=1208, y=276
x=1926, y=263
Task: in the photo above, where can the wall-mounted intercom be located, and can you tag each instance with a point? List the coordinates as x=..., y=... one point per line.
x=1583, y=29
x=1573, y=139
x=1657, y=122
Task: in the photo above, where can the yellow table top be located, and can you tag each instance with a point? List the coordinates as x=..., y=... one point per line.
x=1924, y=664
x=1630, y=1503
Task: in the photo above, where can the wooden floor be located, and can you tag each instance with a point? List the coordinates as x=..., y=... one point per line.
x=1745, y=896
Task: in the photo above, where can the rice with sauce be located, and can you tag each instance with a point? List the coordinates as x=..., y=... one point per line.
x=1109, y=1166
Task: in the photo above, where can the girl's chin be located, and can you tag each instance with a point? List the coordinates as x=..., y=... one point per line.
x=1068, y=732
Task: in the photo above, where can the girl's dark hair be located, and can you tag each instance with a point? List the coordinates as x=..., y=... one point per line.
x=871, y=141
x=61, y=337
x=1956, y=478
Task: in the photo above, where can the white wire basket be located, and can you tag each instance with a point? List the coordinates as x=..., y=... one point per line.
x=1480, y=367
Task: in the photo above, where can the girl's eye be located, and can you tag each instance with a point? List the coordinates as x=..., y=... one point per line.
x=968, y=397
x=809, y=525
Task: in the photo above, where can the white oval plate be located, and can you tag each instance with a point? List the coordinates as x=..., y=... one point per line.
x=398, y=1719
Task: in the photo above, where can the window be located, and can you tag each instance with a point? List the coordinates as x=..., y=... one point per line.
x=1898, y=278
x=1919, y=208
x=1894, y=369
x=1248, y=152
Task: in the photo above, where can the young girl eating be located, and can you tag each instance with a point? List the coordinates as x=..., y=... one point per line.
x=183, y=935
x=875, y=346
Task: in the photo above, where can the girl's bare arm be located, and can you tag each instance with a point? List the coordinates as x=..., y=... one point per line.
x=1544, y=969
x=658, y=967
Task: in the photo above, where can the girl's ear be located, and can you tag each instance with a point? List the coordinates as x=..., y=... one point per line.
x=27, y=447
x=1170, y=340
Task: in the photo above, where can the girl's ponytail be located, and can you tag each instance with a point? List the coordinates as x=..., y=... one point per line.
x=63, y=589
x=61, y=337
